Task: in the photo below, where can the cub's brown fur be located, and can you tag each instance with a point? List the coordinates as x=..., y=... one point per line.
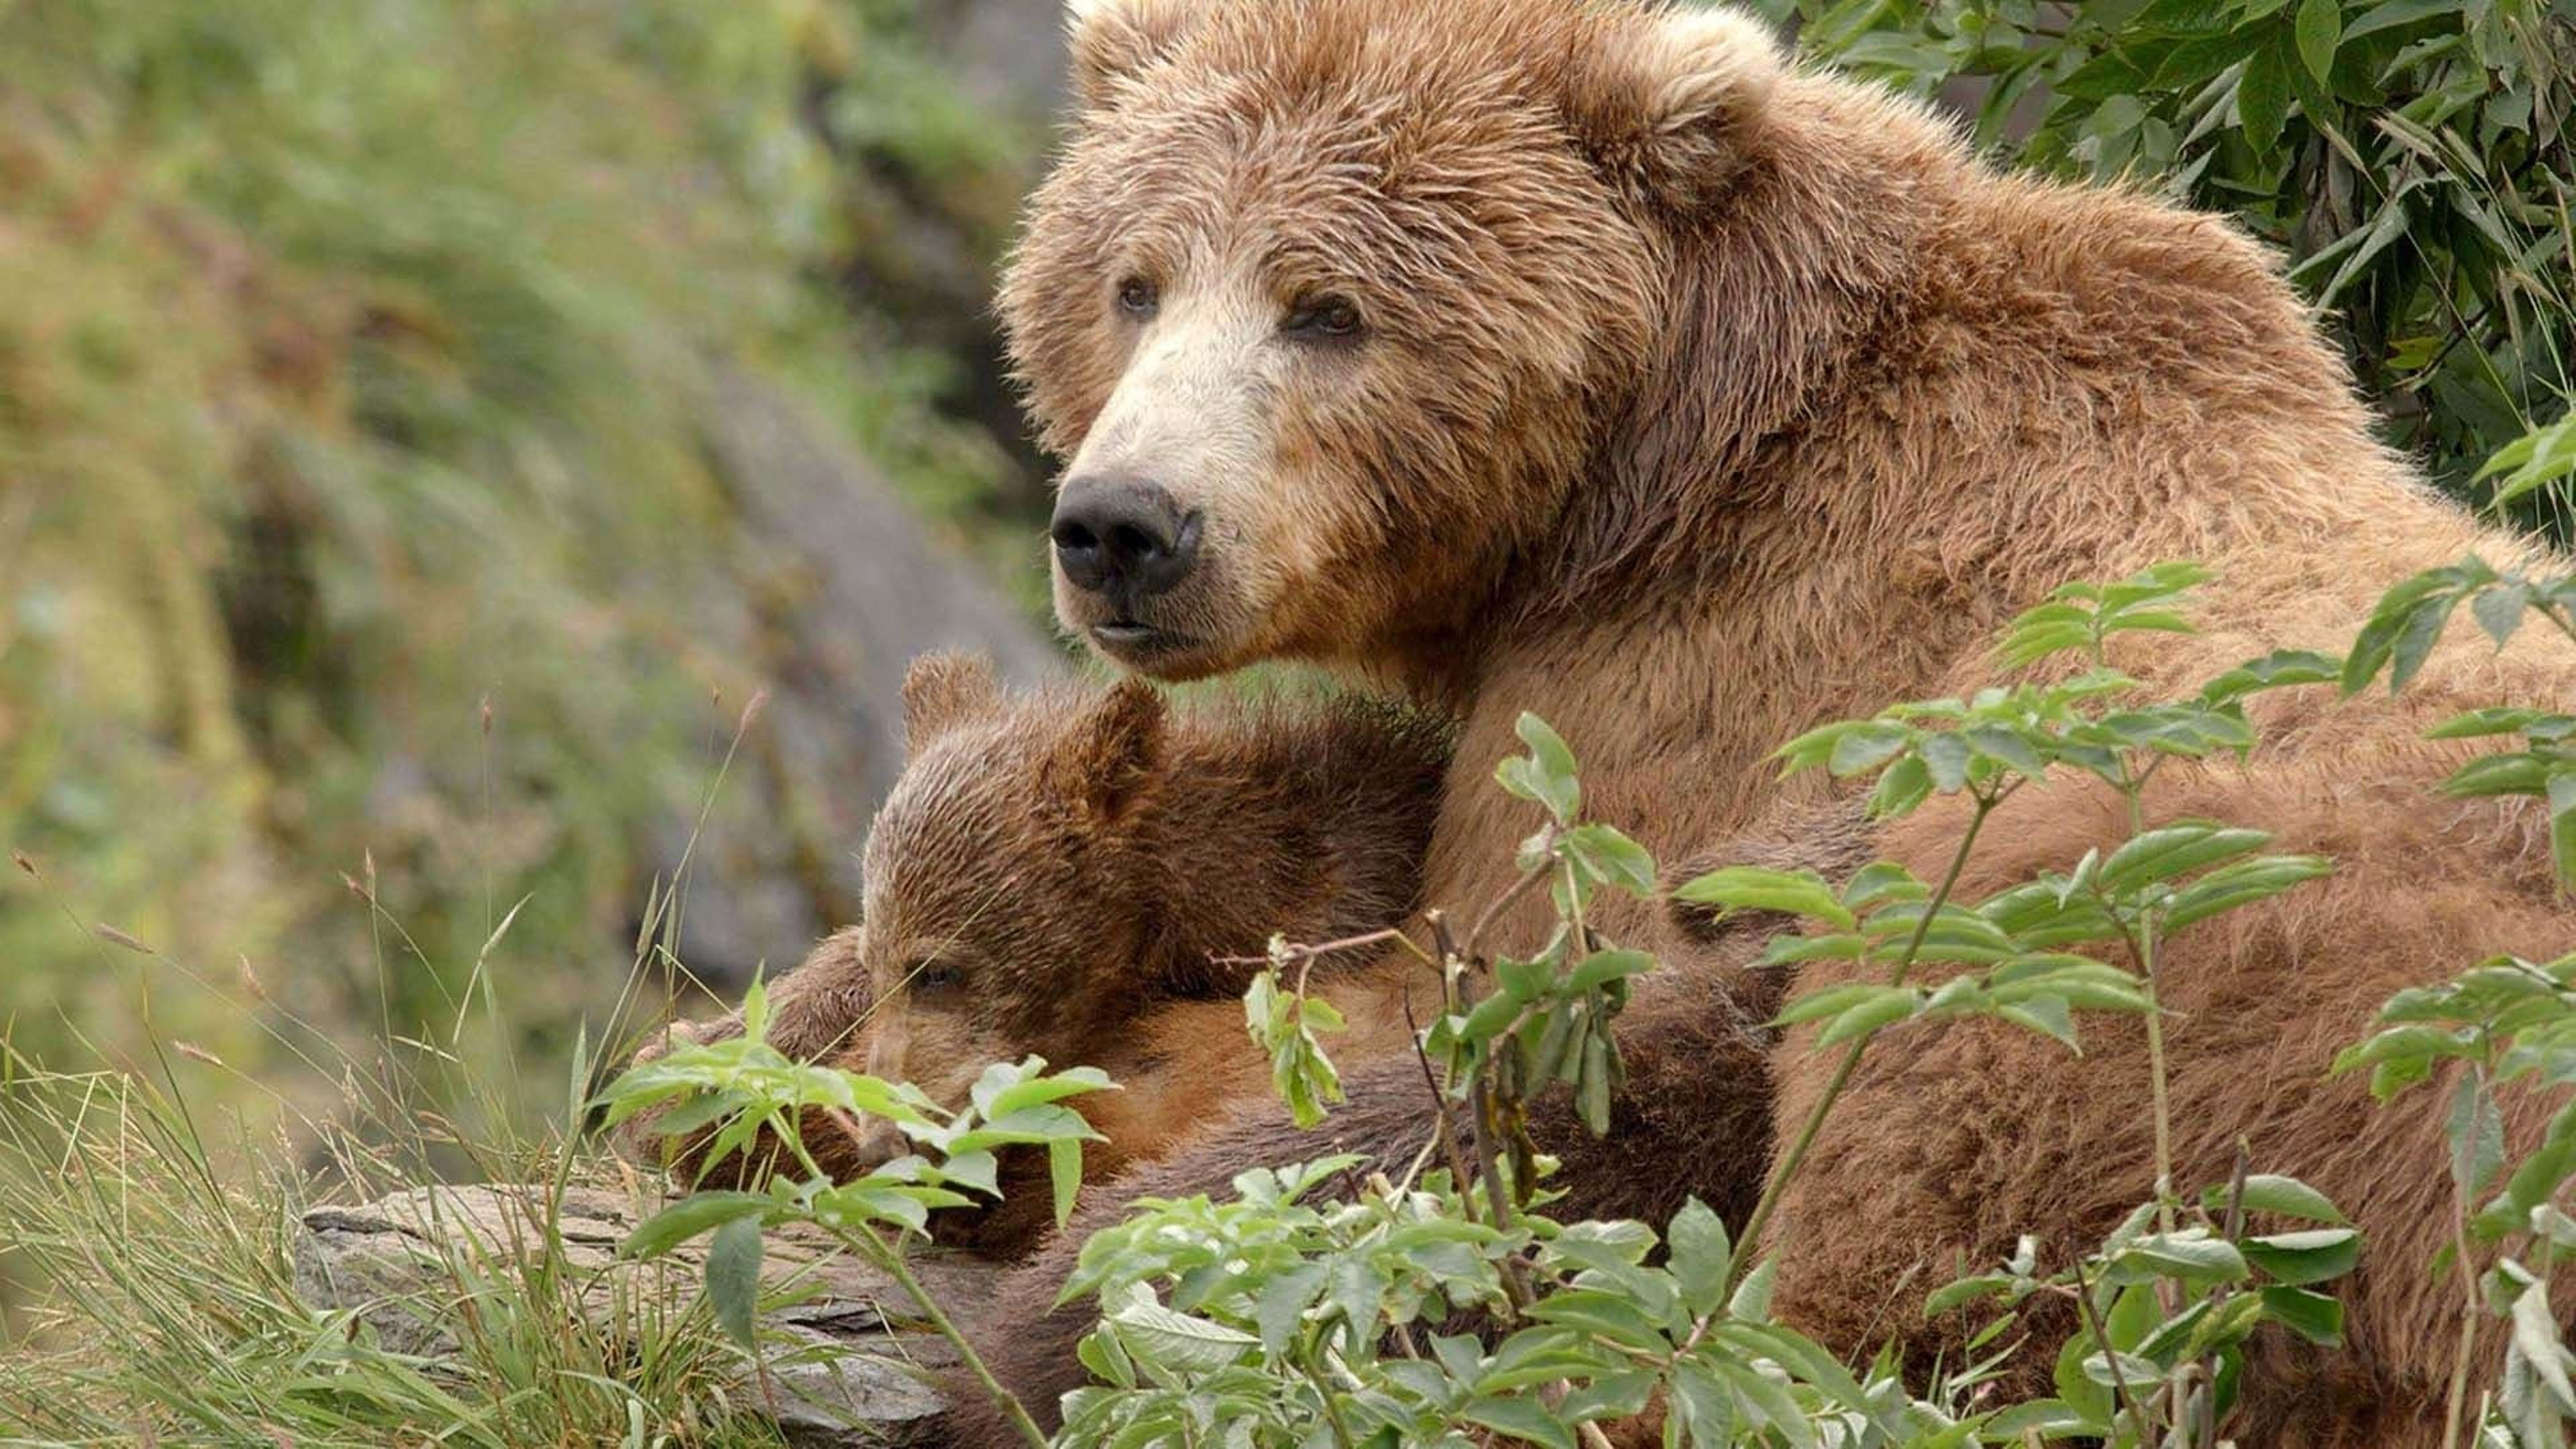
x=1055, y=874
x=1695, y=398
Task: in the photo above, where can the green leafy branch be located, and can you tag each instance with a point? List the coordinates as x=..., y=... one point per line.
x=745, y=1091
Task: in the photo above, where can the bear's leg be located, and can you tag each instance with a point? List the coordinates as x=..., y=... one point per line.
x=1953, y=1139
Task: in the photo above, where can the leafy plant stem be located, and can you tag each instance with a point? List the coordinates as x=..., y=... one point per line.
x=1324, y=1391
x=886, y=1257
x=1787, y=1170
x=2159, y=1090
x=2470, y=1311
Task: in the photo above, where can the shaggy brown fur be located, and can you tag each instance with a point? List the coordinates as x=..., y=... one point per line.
x=1700, y=399
x=1055, y=873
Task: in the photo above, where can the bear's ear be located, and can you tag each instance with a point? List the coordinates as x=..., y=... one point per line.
x=944, y=690
x=1113, y=39
x=1107, y=763
x=1666, y=101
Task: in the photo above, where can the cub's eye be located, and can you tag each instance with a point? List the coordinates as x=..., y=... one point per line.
x=1324, y=317
x=1137, y=297
x=936, y=976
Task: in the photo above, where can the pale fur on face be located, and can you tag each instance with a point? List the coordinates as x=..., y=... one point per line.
x=1193, y=414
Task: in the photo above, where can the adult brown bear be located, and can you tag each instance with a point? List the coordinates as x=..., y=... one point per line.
x=1590, y=359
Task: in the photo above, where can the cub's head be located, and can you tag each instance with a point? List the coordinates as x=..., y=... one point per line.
x=1011, y=887
x=1327, y=304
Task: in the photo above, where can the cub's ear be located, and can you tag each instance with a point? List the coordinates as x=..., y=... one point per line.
x=1106, y=764
x=1113, y=39
x=1666, y=101
x=944, y=690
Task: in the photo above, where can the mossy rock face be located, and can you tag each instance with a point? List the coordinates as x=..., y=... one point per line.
x=847, y=1354
x=423, y=429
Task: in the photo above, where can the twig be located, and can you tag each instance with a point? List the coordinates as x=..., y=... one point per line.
x=1294, y=952
x=2231, y=1225
x=1502, y=903
x=1440, y=1125
x=2122, y=1401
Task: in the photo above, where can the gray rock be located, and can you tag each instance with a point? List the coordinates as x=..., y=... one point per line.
x=851, y=588
x=846, y=1363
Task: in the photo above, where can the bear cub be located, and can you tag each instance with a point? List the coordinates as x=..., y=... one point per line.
x=1065, y=871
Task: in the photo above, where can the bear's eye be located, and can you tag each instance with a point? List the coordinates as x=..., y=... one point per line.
x=1137, y=297
x=935, y=976
x=1324, y=317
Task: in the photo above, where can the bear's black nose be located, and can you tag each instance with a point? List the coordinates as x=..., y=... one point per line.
x=1123, y=537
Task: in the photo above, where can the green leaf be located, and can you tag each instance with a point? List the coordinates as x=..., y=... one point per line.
x=1770, y=1400
x=1866, y=747
x=2240, y=884
x=1612, y=1315
x=690, y=1216
x=1906, y=784
x=2476, y=1131
x=1831, y=1001
x=2192, y=1254
x=2539, y=457
x=1064, y=1175
x=1037, y=1091
x=1521, y=1418
x=1546, y=774
x=1883, y=880
x=2267, y=1192
x=1805, y=1360
x=1946, y=758
x=2399, y=12
x=1753, y=888
x=1613, y=857
x=1283, y=1302
x=2314, y=1316
x=2045, y=1418
x=1702, y=1256
x=2007, y=747
x=2279, y=669
x=1701, y=1406
x=1602, y=967
x=2174, y=850
x=2263, y=99
x=733, y=1278
x=2535, y=1339
x=1751, y=1302
x=2133, y=1318
x=2499, y=611
x=2318, y=29
x=1886, y=1006
x=2306, y=1257
x=2047, y=1015
x=2493, y=720
x=1176, y=1340
x=2514, y=774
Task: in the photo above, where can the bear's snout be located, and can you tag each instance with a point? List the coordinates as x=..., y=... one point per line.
x=1123, y=538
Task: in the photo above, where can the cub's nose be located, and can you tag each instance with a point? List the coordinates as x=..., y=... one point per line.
x=1122, y=536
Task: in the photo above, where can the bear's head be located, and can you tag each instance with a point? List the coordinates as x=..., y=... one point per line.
x=1328, y=305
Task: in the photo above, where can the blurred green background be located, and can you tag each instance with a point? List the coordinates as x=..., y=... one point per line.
x=425, y=425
